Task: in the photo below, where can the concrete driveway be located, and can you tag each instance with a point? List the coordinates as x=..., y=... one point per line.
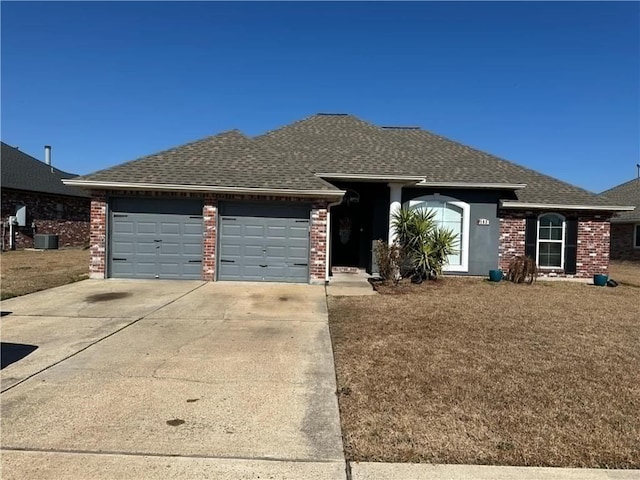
x=169, y=379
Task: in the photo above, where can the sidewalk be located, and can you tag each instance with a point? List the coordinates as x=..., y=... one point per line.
x=426, y=471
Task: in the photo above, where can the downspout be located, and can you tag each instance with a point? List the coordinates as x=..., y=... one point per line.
x=328, y=247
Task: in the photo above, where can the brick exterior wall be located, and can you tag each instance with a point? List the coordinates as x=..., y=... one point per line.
x=318, y=241
x=593, y=246
x=71, y=223
x=512, y=238
x=622, y=242
x=593, y=243
x=98, y=237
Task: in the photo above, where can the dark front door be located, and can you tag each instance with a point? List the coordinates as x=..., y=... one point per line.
x=346, y=234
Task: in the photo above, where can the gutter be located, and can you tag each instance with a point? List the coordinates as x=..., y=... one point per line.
x=560, y=206
x=89, y=184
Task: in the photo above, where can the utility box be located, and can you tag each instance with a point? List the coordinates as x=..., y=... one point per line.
x=46, y=242
x=21, y=215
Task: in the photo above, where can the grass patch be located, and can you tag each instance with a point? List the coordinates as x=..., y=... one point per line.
x=468, y=371
x=28, y=271
x=625, y=273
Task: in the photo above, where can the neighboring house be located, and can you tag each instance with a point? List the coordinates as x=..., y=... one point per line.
x=34, y=190
x=625, y=226
x=295, y=202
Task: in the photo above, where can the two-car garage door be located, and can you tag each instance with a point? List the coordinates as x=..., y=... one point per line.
x=163, y=238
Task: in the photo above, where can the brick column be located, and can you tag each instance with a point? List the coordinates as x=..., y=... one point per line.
x=512, y=239
x=593, y=246
x=98, y=235
x=210, y=216
x=318, y=253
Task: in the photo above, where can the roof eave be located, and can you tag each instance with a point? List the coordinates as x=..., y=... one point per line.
x=90, y=184
x=558, y=206
x=625, y=220
x=474, y=185
x=357, y=177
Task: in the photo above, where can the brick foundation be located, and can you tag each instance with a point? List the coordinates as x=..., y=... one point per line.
x=593, y=243
x=318, y=226
x=622, y=242
x=67, y=217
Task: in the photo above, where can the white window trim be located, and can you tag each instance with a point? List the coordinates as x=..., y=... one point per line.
x=636, y=229
x=561, y=242
x=466, y=219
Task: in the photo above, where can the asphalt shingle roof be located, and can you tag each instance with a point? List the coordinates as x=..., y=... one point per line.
x=229, y=159
x=346, y=144
x=627, y=193
x=289, y=158
x=20, y=171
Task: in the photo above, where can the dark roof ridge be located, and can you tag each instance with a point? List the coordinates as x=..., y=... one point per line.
x=623, y=184
x=311, y=117
x=399, y=127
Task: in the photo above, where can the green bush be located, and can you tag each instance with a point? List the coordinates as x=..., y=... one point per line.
x=426, y=245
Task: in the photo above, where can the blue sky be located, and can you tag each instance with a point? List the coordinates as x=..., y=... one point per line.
x=553, y=86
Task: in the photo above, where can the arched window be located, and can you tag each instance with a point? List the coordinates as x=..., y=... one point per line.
x=551, y=237
x=453, y=215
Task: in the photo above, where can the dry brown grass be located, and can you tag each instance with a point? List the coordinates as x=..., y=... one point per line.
x=27, y=271
x=626, y=273
x=468, y=371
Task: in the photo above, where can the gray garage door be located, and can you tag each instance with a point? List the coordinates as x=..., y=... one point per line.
x=264, y=243
x=155, y=238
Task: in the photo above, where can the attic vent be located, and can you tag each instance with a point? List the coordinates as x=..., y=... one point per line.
x=333, y=114
x=401, y=128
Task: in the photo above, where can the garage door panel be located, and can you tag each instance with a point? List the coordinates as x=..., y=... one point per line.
x=167, y=248
x=193, y=229
x=145, y=248
x=192, y=250
x=276, y=232
x=124, y=248
x=167, y=228
x=296, y=231
x=262, y=245
x=254, y=231
x=165, y=244
x=146, y=227
x=123, y=226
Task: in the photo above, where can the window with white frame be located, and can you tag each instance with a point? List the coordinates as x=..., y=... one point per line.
x=452, y=215
x=551, y=238
x=636, y=235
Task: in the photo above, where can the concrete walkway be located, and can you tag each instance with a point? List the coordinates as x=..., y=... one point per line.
x=162, y=379
x=350, y=285
x=425, y=471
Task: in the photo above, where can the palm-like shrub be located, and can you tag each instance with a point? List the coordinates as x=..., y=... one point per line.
x=427, y=246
